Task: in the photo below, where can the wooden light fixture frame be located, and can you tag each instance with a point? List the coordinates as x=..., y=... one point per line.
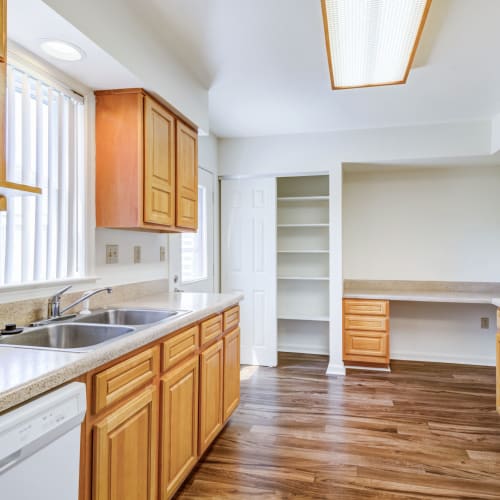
x=408, y=66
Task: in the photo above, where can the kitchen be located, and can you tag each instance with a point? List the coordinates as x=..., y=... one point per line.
x=355, y=228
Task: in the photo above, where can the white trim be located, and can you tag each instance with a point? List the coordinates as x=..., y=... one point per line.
x=335, y=369
x=443, y=358
x=336, y=283
x=302, y=349
x=39, y=285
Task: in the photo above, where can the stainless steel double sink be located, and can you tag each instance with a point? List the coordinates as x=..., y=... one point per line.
x=88, y=331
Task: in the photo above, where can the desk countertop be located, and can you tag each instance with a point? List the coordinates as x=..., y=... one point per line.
x=424, y=291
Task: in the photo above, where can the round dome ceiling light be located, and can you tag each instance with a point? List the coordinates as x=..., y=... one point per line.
x=64, y=51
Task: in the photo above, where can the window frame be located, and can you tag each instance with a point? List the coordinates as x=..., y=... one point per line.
x=24, y=60
x=204, y=216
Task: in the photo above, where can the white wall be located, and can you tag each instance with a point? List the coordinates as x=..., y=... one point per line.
x=448, y=333
x=436, y=224
x=320, y=152
x=125, y=271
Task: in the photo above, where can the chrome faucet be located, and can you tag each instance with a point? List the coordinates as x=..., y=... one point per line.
x=54, y=306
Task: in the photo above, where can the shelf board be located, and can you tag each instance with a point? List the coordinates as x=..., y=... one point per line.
x=302, y=225
x=303, y=278
x=303, y=198
x=304, y=251
x=304, y=317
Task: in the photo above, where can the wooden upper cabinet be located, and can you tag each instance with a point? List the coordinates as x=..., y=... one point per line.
x=187, y=177
x=146, y=164
x=159, y=164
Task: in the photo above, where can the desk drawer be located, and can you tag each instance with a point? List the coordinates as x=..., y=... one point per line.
x=179, y=346
x=211, y=329
x=122, y=379
x=366, y=346
x=231, y=318
x=369, y=323
x=366, y=307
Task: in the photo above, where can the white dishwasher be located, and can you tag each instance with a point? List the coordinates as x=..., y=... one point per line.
x=40, y=446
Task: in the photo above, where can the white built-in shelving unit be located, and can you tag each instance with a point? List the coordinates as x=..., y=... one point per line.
x=303, y=263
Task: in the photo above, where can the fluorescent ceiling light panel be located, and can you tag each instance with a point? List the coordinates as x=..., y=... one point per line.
x=64, y=51
x=372, y=42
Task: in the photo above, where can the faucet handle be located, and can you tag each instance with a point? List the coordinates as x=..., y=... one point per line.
x=57, y=296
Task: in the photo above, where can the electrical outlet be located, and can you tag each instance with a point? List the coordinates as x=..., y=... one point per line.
x=162, y=254
x=111, y=254
x=137, y=254
x=485, y=323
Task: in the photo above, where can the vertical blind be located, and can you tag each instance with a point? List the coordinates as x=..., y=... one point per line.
x=41, y=236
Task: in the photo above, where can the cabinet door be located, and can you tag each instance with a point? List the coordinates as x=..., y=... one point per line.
x=125, y=450
x=211, y=394
x=187, y=178
x=3, y=27
x=179, y=440
x=231, y=372
x=159, y=164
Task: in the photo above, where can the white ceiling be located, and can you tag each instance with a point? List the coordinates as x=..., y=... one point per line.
x=30, y=21
x=265, y=64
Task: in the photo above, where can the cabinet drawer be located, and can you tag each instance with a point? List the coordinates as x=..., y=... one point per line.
x=122, y=379
x=359, y=345
x=370, y=323
x=366, y=307
x=211, y=329
x=179, y=346
x=231, y=318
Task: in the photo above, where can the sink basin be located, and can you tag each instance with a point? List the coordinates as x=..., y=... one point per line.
x=68, y=336
x=134, y=317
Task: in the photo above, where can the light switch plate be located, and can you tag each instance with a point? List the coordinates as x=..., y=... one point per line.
x=162, y=254
x=485, y=323
x=111, y=254
x=137, y=254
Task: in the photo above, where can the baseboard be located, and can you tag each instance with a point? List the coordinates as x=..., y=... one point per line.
x=371, y=368
x=302, y=349
x=335, y=369
x=443, y=358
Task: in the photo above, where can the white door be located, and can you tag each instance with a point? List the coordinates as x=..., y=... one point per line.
x=248, y=263
x=191, y=255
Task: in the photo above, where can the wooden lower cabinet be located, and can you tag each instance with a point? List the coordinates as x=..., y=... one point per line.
x=211, y=391
x=147, y=424
x=231, y=373
x=125, y=450
x=179, y=417
x=366, y=332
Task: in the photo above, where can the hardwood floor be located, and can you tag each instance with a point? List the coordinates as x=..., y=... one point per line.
x=426, y=430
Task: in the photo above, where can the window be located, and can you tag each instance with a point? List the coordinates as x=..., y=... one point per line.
x=194, y=248
x=42, y=235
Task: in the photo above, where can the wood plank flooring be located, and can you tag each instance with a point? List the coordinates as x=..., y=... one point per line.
x=426, y=430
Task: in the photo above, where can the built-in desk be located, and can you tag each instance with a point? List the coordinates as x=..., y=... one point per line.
x=431, y=291
x=424, y=291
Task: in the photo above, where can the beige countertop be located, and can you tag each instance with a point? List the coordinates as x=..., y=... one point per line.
x=424, y=291
x=26, y=373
